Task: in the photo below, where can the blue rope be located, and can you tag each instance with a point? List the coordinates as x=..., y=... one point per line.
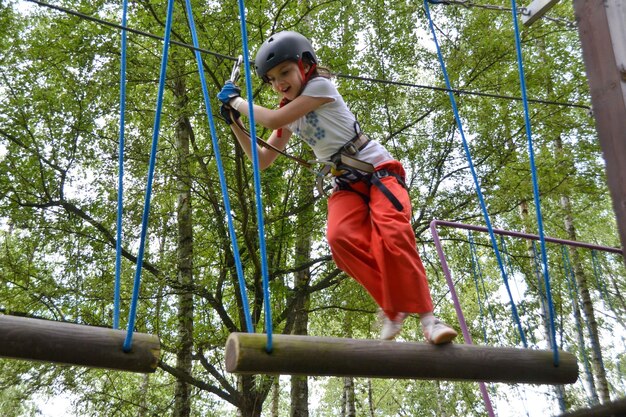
x=257, y=177
x=146, y=208
x=523, y=307
x=492, y=314
x=120, y=181
x=572, y=288
x=542, y=295
x=220, y=169
x=572, y=278
x=475, y=271
x=509, y=266
x=533, y=169
x=600, y=284
x=483, y=206
x=596, y=271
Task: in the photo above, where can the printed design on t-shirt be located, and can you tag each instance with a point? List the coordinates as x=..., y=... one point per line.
x=310, y=130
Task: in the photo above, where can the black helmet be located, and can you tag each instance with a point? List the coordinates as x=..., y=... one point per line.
x=281, y=47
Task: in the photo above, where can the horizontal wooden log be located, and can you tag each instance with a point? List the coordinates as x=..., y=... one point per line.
x=323, y=356
x=76, y=344
x=615, y=408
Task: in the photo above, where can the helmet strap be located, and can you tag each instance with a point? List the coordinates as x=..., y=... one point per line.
x=282, y=103
x=306, y=76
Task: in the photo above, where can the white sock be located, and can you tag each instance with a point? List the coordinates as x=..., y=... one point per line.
x=427, y=319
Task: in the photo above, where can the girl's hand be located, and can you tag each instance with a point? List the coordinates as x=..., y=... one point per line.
x=229, y=114
x=229, y=92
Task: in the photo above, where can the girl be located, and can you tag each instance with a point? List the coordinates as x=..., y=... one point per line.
x=369, y=211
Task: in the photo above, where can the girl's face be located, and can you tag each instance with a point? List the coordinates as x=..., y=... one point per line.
x=286, y=79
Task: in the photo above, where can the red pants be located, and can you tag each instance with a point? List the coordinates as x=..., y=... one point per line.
x=374, y=243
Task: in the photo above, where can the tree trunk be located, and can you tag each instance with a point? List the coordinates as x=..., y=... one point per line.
x=370, y=397
x=559, y=390
x=581, y=280
x=182, y=403
x=299, y=384
x=276, y=397
x=597, y=362
x=299, y=396
x=440, y=401
x=582, y=346
x=143, y=409
x=254, y=393
x=348, y=395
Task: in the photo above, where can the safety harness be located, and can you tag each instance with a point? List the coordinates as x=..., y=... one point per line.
x=348, y=169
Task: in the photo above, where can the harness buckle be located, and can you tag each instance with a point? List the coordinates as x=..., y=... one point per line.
x=350, y=148
x=382, y=173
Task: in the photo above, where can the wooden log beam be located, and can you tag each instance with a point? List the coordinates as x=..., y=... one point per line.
x=76, y=344
x=323, y=356
x=612, y=409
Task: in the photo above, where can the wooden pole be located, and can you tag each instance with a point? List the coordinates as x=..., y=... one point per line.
x=613, y=409
x=75, y=344
x=602, y=31
x=323, y=356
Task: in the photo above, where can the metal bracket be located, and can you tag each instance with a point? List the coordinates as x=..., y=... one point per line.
x=536, y=9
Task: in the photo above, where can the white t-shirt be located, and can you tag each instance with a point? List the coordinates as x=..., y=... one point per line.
x=330, y=126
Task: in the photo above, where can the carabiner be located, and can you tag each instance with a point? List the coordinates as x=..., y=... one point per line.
x=234, y=74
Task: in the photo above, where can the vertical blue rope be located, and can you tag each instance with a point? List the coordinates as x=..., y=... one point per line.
x=475, y=272
x=596, y=272
x=257, y=177
x=600, y=284
x=482, y=285
x=509, y=266
x=542, y=295
x=120, y=176
x=220, y=169
x=544, y=256
x=468, y=155
x=523, y=308
x=146, y=208
x=571, y=276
